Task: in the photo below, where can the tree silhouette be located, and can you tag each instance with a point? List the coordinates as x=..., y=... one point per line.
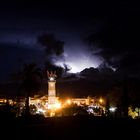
x=125, y=100
x=117, y=43
x=31, y=78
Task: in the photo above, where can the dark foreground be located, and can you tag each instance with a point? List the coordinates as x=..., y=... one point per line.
x=76, y=127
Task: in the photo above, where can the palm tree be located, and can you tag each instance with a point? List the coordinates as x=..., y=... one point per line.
x=31, y=79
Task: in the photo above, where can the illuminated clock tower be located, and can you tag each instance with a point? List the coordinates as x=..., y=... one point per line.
x=51, y=89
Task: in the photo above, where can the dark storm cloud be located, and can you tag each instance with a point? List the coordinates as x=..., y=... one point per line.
x=54, y=49
x=68, y=21
x=13, y=56
x=118, y=37
x=115, y=34
x=52, y=45
x=71, y=21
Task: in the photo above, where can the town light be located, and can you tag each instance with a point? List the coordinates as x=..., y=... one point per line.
x=112, y=109
x=69, y=101
x=101, y=100
x=57, y=105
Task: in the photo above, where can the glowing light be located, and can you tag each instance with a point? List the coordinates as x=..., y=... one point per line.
x=79, y=66
x=38, y=101
x=49, y=106
x=40, y=110
x=112, y=109
x=68, y=101
x=52, y=114
x=101, y=100
x=57, y=105
x=51, y=78
x=80, y=62
x=54, y=106
x=90, y=111
x=132, y=113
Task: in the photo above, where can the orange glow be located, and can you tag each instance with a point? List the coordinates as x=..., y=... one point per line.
x=101, y=100
x=69, y=101
x=57, y=105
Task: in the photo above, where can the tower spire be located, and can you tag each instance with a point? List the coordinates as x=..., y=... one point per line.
x=51, y=89
x=51, y=75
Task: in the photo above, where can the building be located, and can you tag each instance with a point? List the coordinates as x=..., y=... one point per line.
x=51, y=90
x=49, y=104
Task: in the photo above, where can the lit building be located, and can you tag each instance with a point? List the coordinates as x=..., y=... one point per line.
x=51, y=89
x=50, y=104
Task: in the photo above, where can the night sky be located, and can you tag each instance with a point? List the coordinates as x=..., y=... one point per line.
x=93, y=32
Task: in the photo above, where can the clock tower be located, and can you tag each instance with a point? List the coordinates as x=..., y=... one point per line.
x=51, y=89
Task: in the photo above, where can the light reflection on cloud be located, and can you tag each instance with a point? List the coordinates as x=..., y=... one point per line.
x=79, y=61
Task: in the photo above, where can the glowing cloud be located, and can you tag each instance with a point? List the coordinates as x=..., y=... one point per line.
x=79, y=63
